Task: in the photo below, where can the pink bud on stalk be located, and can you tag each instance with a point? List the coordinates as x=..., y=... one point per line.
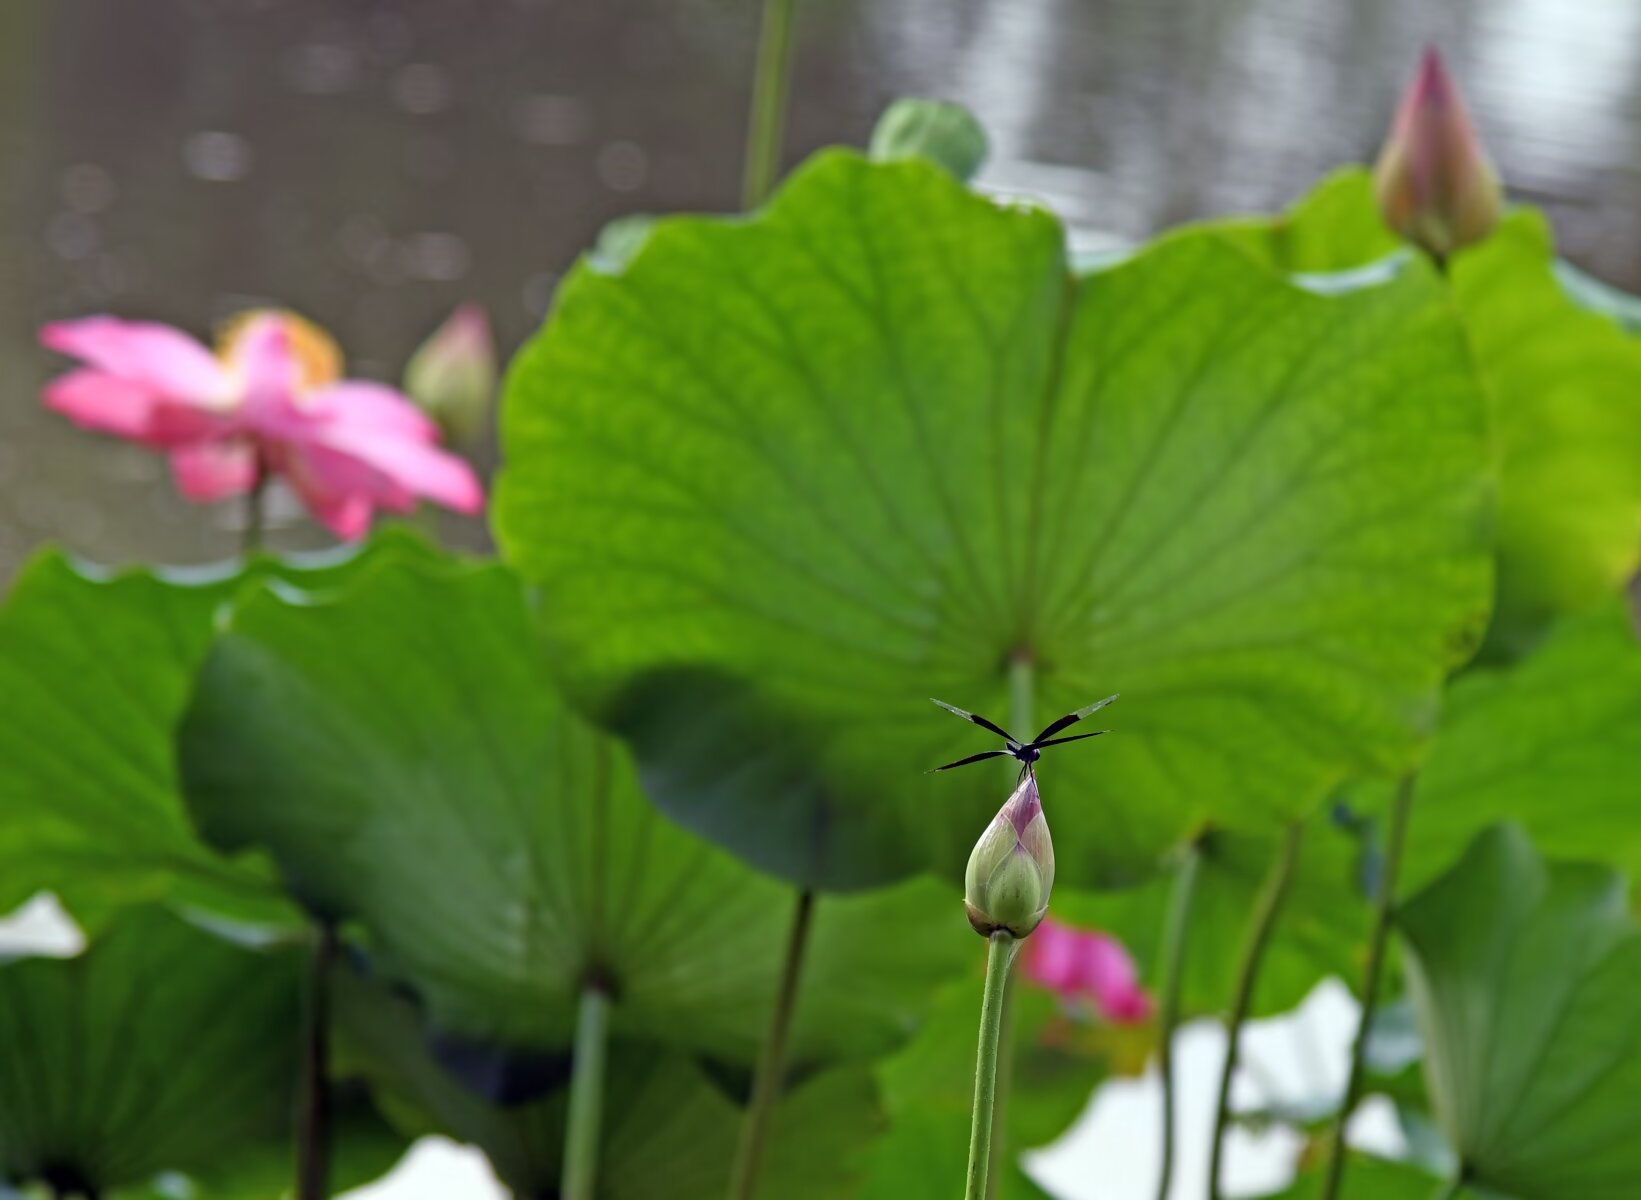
x=1011, y=869
x=452, y=376
x=1434, y=182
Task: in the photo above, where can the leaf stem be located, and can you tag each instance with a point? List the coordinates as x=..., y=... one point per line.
x=313, y=1130
x=999, y=957
x=581, y=1131
x=1452, y=1188
x=1266, y=909
x=771, y=1072
x=255, y=517
x=1385, y=911
x=770, y=85
x=1173, y=964
x=1022, y=706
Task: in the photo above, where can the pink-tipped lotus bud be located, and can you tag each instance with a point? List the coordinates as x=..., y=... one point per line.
x=1011, y=870
x=1435, y=184
x=452, y=377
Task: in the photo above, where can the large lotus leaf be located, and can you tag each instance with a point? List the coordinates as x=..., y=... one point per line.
x=1334, y=228
x=1550, y=742
x=1566, y=387
x=1565, y=384
x=785, y=478
x=668, y=1129
x=1319, y=930
x=95, y=669
x=162, y=1048
x=402, y=753
x=1524, y=975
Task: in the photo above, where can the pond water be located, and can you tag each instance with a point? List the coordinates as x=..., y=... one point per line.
x=374, y=162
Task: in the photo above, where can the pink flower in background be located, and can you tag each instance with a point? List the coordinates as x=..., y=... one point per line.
x=1086, y=964
x=272, y=402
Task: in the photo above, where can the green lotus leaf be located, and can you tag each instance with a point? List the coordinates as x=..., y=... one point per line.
x=784, y=478
x=95, y=669
x=1549, y=743
x=402, y=753
x=161, y=1049
x=1562, y=375
x=1524, y=976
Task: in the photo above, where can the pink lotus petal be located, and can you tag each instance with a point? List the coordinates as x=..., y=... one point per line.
x=372, y=405
x=164, y=360
x=1052, y=958
x=94, y=399
x=208, y=471
x=1110, y=976
x=425, y=470
x=265, y=362
x=1079, y=964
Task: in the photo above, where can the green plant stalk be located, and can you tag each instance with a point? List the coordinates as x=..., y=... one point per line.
x=771, y=1071
x=1173, y=964
x=251, y=535
x=1022, y=705
x=579, y=1180
x=1385, y=911
x=999, y=958
x=770, y=85
x=313, y=1128
x=1266, y=909
x=1453, y=1188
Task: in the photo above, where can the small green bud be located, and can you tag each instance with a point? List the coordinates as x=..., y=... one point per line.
x=1011, y=870
x=452, y=377
x=945, y=133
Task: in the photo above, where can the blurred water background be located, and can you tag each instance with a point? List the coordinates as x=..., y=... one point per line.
x=373, y=162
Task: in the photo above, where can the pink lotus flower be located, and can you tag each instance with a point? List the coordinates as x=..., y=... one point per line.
x=271, y=403
x=1082, y=964
x=1433, y=180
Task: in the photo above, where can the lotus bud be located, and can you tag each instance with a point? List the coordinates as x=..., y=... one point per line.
x=1434, y=182
x=452, y=377
x=1011, y=870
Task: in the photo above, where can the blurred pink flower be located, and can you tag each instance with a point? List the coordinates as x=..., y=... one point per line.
x=1434, y=182
x=272, y=402
x=1078, y=964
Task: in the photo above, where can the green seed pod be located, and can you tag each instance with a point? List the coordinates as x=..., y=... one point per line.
x=1011, y=870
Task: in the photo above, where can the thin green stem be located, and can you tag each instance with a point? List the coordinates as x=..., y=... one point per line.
x=1452, y=1189
x=255, y=517
x=1384, y=914
x=1173, y=966
x=579, y=1180
x=1269, y=904
x=999, y=957
x=313, y=1130
x=771, y=1071
x=1022, y=709
x=770, y=85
